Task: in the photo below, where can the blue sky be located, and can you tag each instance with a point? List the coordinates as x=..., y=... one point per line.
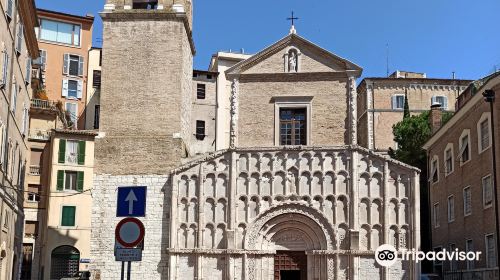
x=432, y=36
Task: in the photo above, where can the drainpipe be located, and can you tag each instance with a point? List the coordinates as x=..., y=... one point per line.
x=489, y=97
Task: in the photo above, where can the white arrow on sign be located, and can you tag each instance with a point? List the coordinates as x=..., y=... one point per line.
x=131, y=198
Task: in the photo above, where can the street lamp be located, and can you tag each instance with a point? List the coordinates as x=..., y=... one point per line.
x=489, y=97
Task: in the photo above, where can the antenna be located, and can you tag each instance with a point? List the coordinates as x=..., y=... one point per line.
x=453, y=75
x=387, y=58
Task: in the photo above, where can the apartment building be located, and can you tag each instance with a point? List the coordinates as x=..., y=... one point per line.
x=65, y=41
x=381, y=103
x=461, y=182
x=66, y=243
x=17, y=49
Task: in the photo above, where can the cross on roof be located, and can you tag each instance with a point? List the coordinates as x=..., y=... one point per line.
x=293, y=18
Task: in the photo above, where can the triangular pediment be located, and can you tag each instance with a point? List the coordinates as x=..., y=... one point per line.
x=311, y=59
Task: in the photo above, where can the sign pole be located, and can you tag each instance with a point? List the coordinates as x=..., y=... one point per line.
x=123, y=271
x=129, y=269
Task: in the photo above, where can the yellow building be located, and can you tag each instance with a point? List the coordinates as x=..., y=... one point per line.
x=67, y=234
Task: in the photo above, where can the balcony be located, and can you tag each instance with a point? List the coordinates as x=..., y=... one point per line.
x=43, y=104
x=35, y=170
x=39, y=134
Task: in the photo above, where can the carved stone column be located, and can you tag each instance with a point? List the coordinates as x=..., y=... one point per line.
x=234, y=114
x=353, y=111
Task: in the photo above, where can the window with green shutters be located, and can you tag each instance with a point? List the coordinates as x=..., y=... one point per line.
x=70, y=180
x=71, y=151
x=68, y=216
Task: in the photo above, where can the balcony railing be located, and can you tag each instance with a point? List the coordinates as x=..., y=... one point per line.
x=38, y=134
x=475, y=274
x=35, y=170
x=43, y=104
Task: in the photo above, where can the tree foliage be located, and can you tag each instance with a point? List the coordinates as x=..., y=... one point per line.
x=410, y=135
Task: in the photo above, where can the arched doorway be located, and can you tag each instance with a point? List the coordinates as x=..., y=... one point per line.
x=65, y=262
x=290, y=230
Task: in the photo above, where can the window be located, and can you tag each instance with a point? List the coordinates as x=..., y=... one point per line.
x=65, y=262
x=487, y=191
x=398, y=102
x=6, y=223
x=435, y=215
x=60, y=32
x=96, y=79
x=464, y=147
x=200, y=130
x=3, y=141
x=20, y=37
x=73, y=65
x=469, y=247
x=72, y=89
x=448, y=157
x=435, y=170
x=70, y=180
x=71, y=151
x=467, y=201
x=451, y=209
x=200, y=91
x=209, y=77
x=10, y=9
x=4, y=69
x=31, y=228
x=25, y=121
x=13, y=99
x=491, y=260
x=483, y=132
x=33, y=197
x=145, y=4
x=72, y=109
x=27, y=78
x=97, y=112
x=442, y=100
x=293, y=130
x=43, y=59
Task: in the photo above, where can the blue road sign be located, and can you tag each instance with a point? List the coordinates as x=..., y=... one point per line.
x=131, y=202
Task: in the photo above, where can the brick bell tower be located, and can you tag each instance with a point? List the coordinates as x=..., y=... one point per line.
x=146, y=86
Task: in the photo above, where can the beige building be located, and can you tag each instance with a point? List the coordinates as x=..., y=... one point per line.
x=66, y=243
x=461, y=182
x=17, y=49
x=381, y=102
x=287, y=193
x=65, y=41
x=93, y=89
x=204, y=110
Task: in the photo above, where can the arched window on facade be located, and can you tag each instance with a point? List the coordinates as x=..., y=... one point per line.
x=65, y=262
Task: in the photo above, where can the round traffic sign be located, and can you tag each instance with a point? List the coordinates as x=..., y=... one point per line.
x=129, y=232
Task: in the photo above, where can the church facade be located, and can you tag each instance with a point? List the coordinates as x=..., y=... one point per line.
x=288, y=194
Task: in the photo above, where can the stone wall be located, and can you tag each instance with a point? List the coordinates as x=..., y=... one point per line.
x=145, y=91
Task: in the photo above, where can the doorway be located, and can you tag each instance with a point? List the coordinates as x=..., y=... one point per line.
x=290, y=265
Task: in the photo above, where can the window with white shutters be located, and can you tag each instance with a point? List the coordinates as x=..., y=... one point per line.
x=73, y=65
x=464, y=147
x=10, y=9
x=20, y=37
x=28, y=71
x=43, y=59
x=5, y=68
x=448, y=157
x=2, y=142
x=484, y=135
x=13, y=99
x=435, y=170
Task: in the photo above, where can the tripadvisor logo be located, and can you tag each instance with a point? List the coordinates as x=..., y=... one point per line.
x=386, y=255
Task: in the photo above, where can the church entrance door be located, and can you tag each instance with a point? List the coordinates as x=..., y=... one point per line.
x=290, y=265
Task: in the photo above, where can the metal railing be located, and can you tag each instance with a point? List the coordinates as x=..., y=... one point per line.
x=35, y=170
x=43, y=104
x=474, y=274
x=38, y=134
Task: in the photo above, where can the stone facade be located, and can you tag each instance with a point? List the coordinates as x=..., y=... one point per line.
x=376, y=109
x=473, y=218
x=204, y=111
x=230, y=213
